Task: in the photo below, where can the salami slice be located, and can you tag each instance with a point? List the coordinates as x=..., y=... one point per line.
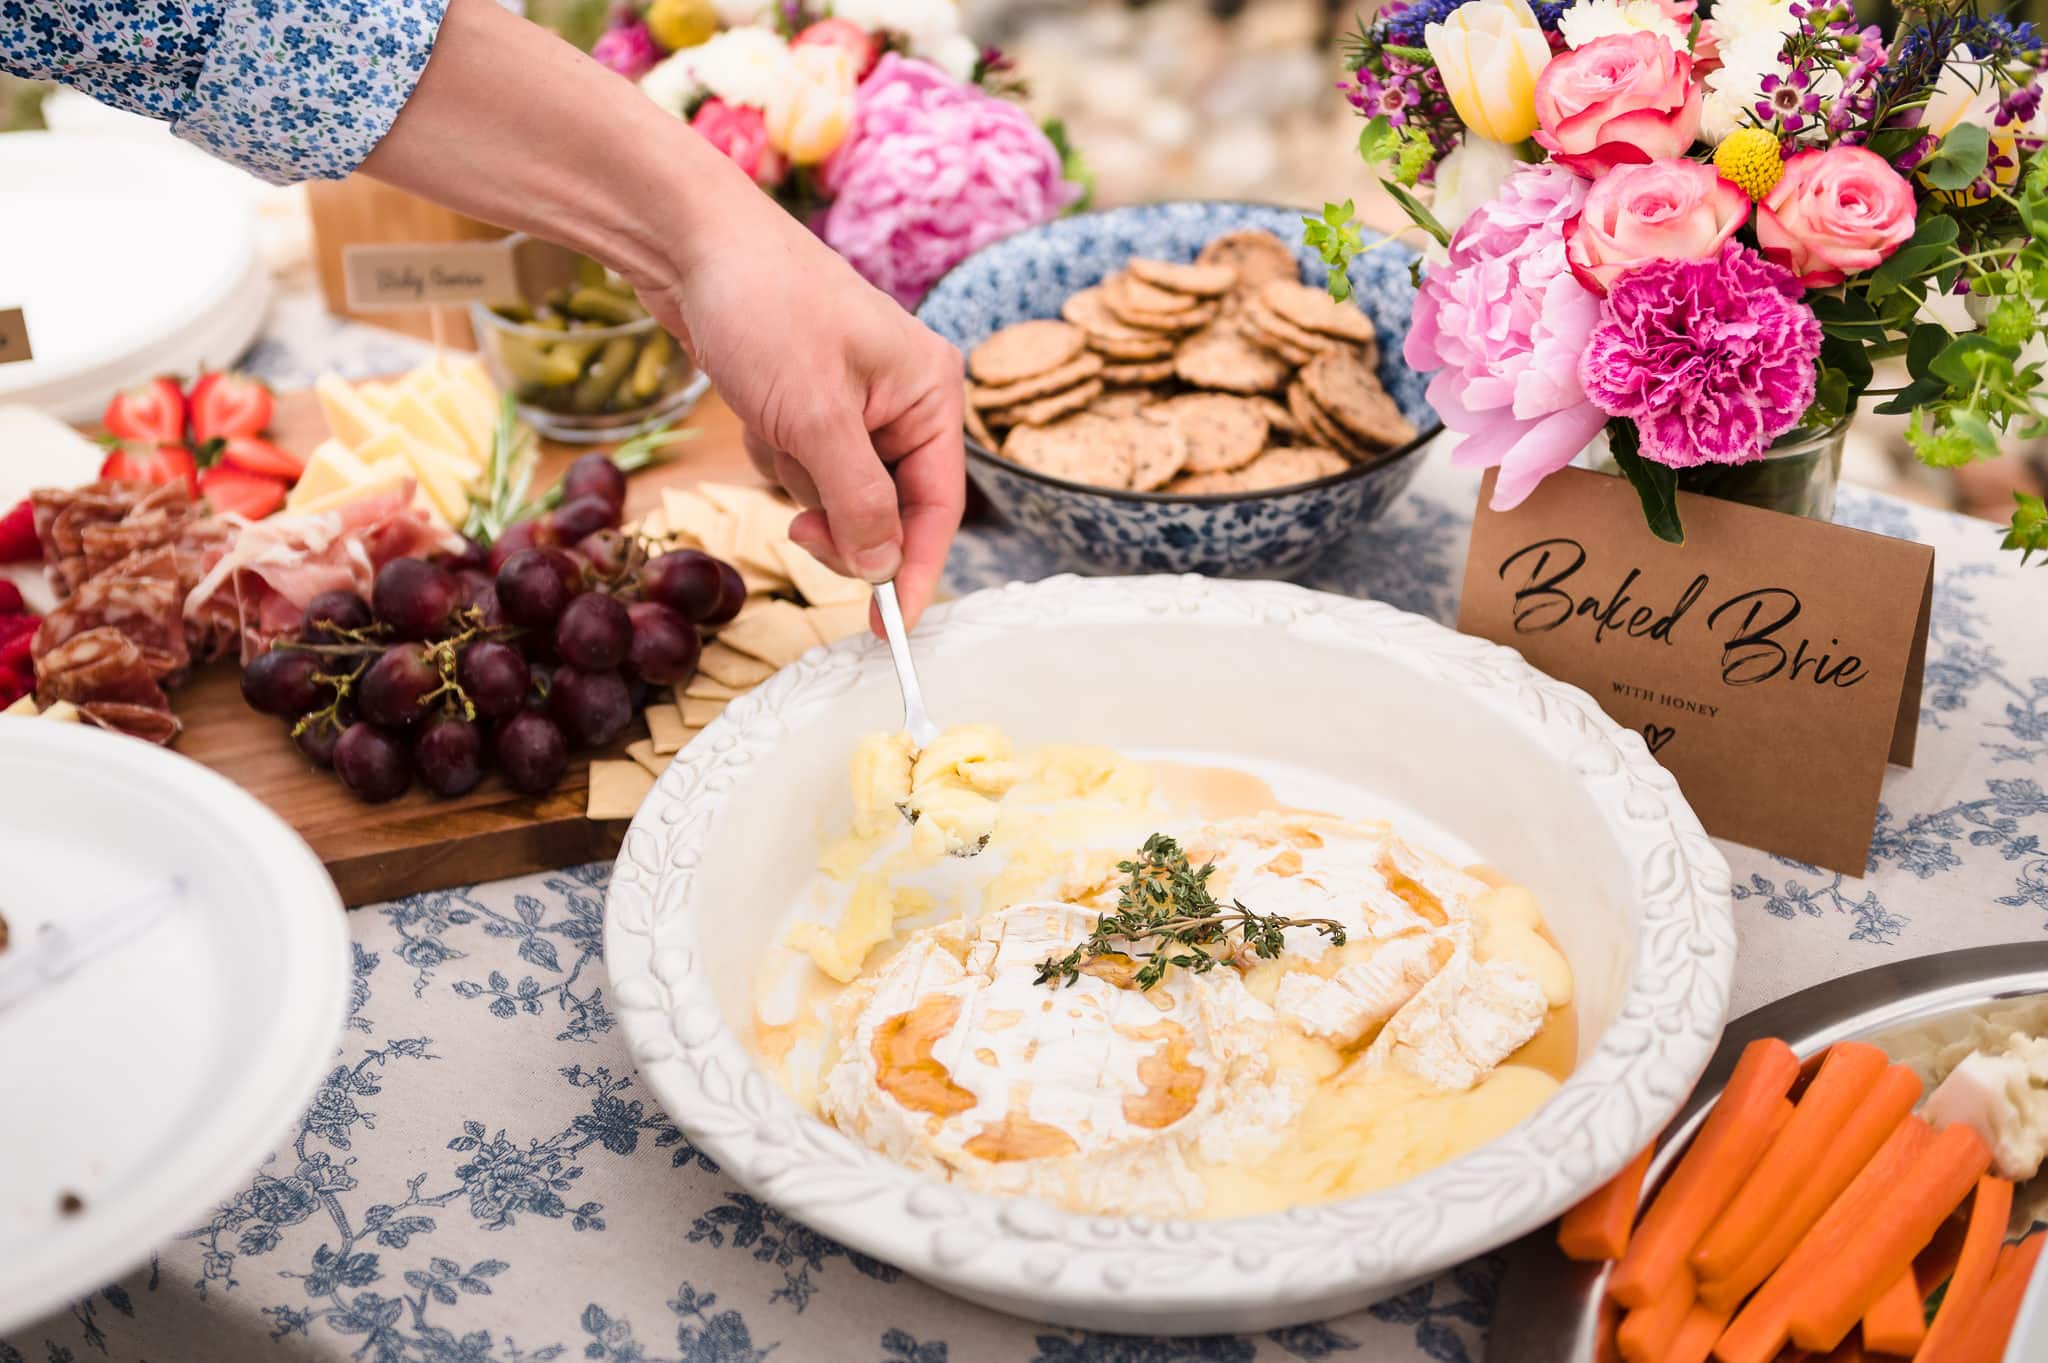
x=153, y=724
x=140, y=598
x=62, y=516
x=97, y=665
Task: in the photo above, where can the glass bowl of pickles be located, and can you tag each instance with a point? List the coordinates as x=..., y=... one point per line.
x=584, y=361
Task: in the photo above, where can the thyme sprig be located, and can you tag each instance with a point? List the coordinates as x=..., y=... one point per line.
x=1166, y=916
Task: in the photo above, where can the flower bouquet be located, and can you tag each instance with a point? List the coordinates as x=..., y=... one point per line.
x=882, y=125
x=1700, y=234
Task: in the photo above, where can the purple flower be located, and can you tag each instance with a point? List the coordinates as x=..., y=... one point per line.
x=627, y=49
x=1712, y=359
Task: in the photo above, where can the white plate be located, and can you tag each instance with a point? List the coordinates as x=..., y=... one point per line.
x=1346, y=701
x=152, y=1079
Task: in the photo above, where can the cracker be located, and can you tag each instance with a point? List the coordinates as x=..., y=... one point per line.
x=1278, y=417
x=1318, y=425
x=1204, y=281
x=1342, y=386
x=1223, y=432
x=1290, y=466
x=977, y=428
x=1131, y=375
x=1314, y=310
x=617, y=789
x=1079, y=448
x=1124, y=402
x=727, y=665
x=1171, y=323
x=654, y=525
x=1026, y=349
x=1206, y=484
x=702, y=687
x=665, y=726
x=817, y=584
x=1221, y=357
x=841, y=621
x=1256, y=255
x=643, y=751
x=693, y=516
x=776, y=632
x=1080, y=369
x=1156, y=345
x=1125, y=292
x=698, y=713
x=1158, y=449
x=1050, y=409
x=1275, y=330
x=1087, y=310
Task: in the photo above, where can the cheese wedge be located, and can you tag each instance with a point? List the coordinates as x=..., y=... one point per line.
x=352, y=420
x=442, y=481
x=23, y=708
x=377, y=396
x=388, y=443
x=445, y=399
x=412, y=414
x=386, y=478
x=333, y=468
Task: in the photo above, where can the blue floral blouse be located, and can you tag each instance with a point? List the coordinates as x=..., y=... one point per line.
x=286, y=89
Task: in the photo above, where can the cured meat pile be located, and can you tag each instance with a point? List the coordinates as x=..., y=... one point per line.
x=151, y=582
x=122, y=557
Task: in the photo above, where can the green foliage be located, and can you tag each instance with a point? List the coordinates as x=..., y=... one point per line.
x=1655, y=484
x=1960, y=158
x=1073, y=166
x=2029, y=533
x=1336, y=238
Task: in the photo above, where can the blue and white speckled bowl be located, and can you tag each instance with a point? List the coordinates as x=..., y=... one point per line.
x=1249, y=534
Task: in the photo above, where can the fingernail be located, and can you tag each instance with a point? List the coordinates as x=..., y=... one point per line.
x=878, y=564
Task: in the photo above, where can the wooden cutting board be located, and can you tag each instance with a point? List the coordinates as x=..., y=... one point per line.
x=420, y=841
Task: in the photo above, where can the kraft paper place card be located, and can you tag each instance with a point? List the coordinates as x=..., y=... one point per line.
x=428, y=274
x=14, y=336
x=1772, y=664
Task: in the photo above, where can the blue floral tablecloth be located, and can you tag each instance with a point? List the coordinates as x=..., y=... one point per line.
x=484, y=1179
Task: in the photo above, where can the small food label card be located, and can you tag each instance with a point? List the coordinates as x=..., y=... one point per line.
x=1772, y=664
x=14, y=336
x=429, y=274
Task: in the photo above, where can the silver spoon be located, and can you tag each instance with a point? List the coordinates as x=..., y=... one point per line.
x=917, y=721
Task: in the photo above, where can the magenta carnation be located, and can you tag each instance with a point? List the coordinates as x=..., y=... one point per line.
x=1506, y=323
x=1712, y=359
x=627, y=49
x=930, y=172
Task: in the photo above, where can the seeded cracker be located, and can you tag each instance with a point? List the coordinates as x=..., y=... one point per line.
x=1080, y=369
x=1223, y=432
x=1278, y=417
x=1024, y=350
x=1342, y=386
x=1222, y=358
x=1158, y=451
x=1204, y=281
x=1080, y=448
x=976, y=426
x=1318, y=425
x=1285, y=467
x=1314, y=310
x=1047, y=410
x=1128, y=375
x=1257, y=256
x=1127, y=291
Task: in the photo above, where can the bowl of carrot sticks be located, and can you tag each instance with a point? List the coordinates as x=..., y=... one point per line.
x=1863, y=1199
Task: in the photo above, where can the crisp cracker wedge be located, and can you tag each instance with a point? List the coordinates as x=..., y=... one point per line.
x=692, y=514
x=617, y=789
x=730, y=667
x=841, y=621
x=698, y=713
x=643, y=751
x=665, y=727
x=774, y=631
x=701, y=687
x=816, y=583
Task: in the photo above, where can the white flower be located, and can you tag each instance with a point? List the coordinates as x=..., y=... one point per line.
x=1747, y=56
x=739, y=66
x=671, y=84
x=1590, y=19
x=931, y=28
x=738, y=13
x=1470, y=176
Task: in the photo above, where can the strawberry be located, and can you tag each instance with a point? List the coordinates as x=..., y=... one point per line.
x=18, y=542
x=151, y=411
x=251, y=495
x=15, y=648
x=146, y=463
x=253, y=454
x=11, y=603
x=229, y=405
x=13, y=686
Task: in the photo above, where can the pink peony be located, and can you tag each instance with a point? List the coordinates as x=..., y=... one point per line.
x=1666, y=210
x=627, y=49
x=1506, y=323
x=1712, y=359
x=1835, y=213
x=931, y=172
x=1619, y=100
x=741, y=133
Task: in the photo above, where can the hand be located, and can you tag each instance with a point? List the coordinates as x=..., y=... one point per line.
x=849, y=403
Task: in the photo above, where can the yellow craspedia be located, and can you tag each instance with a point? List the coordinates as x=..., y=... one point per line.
x=1750, y=158
x=677, y=24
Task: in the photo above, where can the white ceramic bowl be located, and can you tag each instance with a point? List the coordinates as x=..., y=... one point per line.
x=1320, y=691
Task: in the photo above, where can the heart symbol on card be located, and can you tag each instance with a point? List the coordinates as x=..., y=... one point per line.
x=1657, y=737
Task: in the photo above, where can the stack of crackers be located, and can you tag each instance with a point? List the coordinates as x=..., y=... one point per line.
x=794, y=604
x=1226, y=375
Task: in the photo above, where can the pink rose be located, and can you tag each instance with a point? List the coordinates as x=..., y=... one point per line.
x=741, y=133
x=1835, y=213
x=628, y=49
x=1619, y=100
x=864, y=47
x=932, y=171
x=1667, y=210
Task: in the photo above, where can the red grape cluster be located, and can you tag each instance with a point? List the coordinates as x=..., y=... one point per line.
x=511, y=656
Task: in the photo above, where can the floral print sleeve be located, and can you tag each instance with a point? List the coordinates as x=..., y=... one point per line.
x=286, y=89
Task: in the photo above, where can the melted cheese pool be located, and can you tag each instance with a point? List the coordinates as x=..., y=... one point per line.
x=906, y=1006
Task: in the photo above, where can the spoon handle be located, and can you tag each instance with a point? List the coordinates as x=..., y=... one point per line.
x=916, y=722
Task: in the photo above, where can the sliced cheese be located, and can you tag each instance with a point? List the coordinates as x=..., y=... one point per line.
x=388, y=443
x=469, y=371
x=387, y=478
x=64, y=712
x=442, y=482
x=333, y=469
x=445, y=399
x=411, y=413
x=23, y=708
x=377, y=396
x=352, y=420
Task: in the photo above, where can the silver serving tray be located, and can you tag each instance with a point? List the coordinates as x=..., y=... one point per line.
x=1550, y=1308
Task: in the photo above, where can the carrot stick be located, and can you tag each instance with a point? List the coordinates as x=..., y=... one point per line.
x=1989, y=1331
x=1875, y=1120
x=1720, y=1157
x=1875, y=1239
x=1898, y=1321
x=1696, y=1335
x=1598, y=1228
x=1647, y=1331
x=1989, y=1213
x=1850, y=1350
x=1847, y=1075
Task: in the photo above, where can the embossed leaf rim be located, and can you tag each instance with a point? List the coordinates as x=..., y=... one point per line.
x=1615, y=1102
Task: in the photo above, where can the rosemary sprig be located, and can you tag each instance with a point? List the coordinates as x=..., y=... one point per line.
x=508, y=473
x=1165, y=902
